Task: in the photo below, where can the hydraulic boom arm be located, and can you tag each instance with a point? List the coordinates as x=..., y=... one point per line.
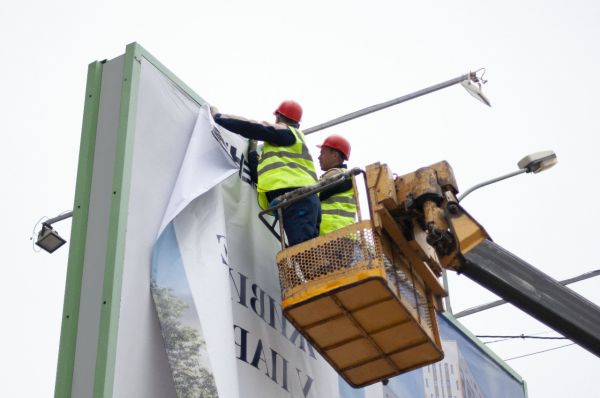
x=420, y=213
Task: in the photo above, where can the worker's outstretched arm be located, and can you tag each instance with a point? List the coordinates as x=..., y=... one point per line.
x=277, y=134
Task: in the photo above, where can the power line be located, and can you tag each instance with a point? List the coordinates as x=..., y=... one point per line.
x=511, y=337
x=496, y=303
x=539, y=352
x=521, y=336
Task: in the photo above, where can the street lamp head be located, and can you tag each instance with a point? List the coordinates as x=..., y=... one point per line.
x=473, y=86
x=537, y=162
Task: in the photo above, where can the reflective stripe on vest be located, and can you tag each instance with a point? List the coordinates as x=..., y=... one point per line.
x=337, y=211
x=284, y=167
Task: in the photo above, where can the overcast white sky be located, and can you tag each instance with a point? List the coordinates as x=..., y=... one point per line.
x=542, y=60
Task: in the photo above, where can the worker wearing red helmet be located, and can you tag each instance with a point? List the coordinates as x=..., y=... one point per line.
x=284, y=165
x=338, y=205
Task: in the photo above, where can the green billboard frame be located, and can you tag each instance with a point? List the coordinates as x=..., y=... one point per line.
x=112, y=281
x=70, y=317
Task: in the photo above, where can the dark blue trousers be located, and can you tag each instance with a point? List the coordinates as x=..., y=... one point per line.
x=301, y=220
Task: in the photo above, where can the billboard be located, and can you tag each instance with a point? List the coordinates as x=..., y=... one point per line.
x=172, y=288
x=468, y=370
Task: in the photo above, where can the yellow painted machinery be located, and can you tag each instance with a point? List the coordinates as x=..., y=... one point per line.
x=364, y=302
x=366, y=295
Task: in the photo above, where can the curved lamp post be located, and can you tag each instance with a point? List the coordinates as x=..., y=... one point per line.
x=534, y=163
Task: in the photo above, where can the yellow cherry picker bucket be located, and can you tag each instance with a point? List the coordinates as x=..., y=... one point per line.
x=355, y=298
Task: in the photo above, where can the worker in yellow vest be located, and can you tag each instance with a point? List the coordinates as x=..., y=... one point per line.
x=338, y=205
x=284, y=165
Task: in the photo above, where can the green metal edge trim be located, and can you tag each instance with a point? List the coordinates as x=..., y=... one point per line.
x=485, y=349
x=111, y=291
x=113, y=274
x=164, y=70
x=70, y=317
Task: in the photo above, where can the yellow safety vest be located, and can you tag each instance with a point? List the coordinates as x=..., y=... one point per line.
x=284, y=167
x=337, y=211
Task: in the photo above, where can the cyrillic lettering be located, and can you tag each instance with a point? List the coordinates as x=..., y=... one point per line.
x=284, y=371
x=242, y=344
x=259, y=355
x=240, y=288
x=307, y=384
x=260, y=298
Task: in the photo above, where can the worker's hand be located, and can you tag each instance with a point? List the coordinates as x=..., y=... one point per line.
x=253, y=159
x=213, y=110
x=274, y=203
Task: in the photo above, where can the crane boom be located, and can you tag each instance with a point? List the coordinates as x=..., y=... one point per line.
x=534, y=292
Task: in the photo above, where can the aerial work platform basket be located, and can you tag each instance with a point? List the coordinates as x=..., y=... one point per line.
x=360, y=303
x=369, y=318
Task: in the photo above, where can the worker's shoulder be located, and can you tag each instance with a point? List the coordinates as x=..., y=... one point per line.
x=332, y=172
x=281, y=126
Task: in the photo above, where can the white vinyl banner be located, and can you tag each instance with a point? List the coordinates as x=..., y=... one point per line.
x=216, y=289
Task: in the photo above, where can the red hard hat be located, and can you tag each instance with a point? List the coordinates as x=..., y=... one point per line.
x=338, y=142
x=290, y=109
